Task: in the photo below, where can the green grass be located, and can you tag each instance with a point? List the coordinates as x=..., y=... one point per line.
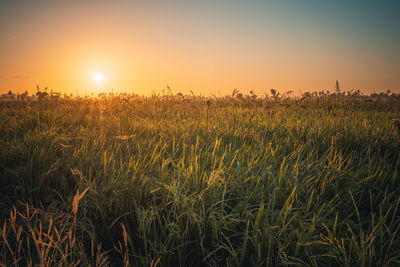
x=182, y=181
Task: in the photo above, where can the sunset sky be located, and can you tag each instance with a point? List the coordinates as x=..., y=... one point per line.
x=209, y=47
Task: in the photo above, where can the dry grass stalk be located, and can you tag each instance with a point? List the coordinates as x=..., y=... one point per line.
x=76, y=200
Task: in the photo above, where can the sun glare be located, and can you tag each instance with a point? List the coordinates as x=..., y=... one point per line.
x=98, y=77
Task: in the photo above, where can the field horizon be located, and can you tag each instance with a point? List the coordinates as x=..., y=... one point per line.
x=84, y=93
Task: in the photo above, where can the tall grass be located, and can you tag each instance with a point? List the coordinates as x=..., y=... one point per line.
x=186, y=180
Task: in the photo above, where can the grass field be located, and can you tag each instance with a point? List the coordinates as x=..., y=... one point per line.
x=188, y=181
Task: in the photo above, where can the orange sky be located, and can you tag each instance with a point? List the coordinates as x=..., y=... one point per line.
x=209, y=47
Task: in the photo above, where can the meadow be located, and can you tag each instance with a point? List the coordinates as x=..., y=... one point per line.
x=179, y=180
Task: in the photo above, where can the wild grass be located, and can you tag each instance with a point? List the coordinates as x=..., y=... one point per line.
x=186, y=180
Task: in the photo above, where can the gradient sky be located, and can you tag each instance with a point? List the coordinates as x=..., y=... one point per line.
x=209, y=47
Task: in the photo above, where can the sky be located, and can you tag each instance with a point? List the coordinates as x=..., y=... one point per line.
x=210, y=47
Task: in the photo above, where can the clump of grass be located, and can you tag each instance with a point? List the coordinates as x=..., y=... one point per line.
x=32, y=236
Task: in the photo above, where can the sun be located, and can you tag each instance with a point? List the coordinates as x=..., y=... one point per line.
x=98, y=77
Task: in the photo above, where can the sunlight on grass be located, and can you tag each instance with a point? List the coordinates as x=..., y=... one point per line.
x=185, y=180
